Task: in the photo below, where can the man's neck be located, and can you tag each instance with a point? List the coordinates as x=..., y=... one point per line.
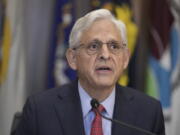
x=99, y=93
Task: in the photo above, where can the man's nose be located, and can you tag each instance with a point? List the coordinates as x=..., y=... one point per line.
x=104, y=52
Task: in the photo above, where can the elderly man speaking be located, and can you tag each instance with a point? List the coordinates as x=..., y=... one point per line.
x=94, y=104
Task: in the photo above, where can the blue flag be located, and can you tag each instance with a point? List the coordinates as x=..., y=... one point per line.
x=59, y=72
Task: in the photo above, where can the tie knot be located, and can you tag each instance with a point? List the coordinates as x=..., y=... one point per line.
x=100, y=109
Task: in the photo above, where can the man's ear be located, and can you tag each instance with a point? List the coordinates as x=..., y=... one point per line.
x=71, y=58
x=126, y=58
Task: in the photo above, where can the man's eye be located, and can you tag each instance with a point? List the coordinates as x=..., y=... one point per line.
x=114, y=46
x=93, y=46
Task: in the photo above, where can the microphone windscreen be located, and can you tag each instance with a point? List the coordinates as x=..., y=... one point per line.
x=94, y=103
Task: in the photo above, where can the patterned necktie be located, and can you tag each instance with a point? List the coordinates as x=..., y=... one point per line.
x=96, y=128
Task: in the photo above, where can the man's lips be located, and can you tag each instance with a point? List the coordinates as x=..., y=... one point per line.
x=103, y=69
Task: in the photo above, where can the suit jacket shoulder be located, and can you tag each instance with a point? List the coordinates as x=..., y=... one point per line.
x=53, y=112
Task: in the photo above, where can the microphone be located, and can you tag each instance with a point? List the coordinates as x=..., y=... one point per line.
x=95, y=104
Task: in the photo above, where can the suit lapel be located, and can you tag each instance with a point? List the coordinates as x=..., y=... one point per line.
x=69, y=112
x=122, y=111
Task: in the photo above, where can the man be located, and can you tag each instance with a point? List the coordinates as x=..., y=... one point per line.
x=98, y=51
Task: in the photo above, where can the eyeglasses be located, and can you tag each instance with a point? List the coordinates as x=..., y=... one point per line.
x=95, y=46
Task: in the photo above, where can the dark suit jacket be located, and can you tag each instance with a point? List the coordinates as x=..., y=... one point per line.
x=58, y=112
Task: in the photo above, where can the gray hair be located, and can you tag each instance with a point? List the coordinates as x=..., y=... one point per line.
x=86, y=21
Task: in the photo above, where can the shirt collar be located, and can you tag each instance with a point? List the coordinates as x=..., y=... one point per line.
x=108, y=103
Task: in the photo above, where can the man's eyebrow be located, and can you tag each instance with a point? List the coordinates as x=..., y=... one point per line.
x=96, y=39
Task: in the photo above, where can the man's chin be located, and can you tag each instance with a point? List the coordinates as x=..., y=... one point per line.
x=105, y=84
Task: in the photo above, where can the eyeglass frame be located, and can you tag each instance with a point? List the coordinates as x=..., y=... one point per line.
x=121, y=46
